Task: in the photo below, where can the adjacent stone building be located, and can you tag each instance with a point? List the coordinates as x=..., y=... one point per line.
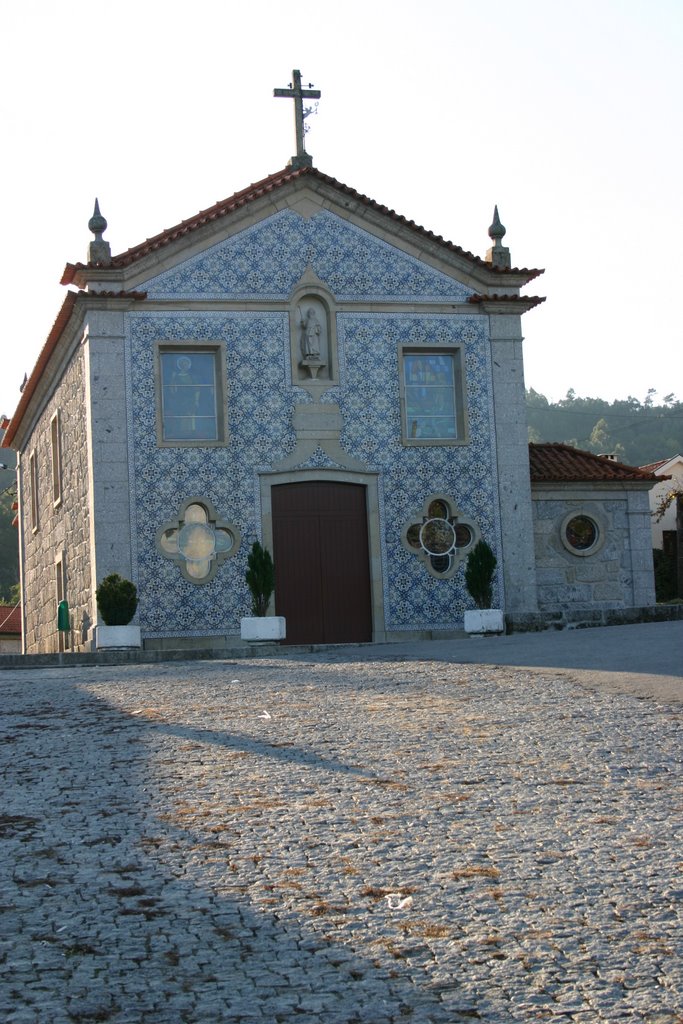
x=591, y=528
x=10, y=629
x=301, y=365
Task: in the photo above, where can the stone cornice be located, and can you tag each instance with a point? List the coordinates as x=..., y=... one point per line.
x=500, y=305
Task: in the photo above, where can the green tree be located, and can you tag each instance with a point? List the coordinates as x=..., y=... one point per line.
x=9, y=546
x=637, y=432
x=602, y=443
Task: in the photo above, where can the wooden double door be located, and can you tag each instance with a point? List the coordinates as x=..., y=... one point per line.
x=322, y=568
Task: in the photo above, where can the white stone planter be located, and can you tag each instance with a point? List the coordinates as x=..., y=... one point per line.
x=261, y=628
x=117, y=636
x=484, y=620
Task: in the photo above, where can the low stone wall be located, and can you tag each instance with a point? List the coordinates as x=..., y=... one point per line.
x=585, y=618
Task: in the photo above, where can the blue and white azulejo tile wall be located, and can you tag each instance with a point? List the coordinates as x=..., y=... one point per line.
x=265, y=263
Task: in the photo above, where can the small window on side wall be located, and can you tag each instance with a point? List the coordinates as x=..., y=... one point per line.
x=432, y=396
x=33, y=476
x=56, y=452
x=191, y=395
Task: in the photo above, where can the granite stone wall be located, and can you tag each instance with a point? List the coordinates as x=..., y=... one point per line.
x=64, y=529
x=616, y=575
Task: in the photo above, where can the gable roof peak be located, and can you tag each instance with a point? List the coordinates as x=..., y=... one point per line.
x=288, y=176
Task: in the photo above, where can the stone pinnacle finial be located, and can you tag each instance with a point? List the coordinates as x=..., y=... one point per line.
x=496, y=231
x=99, y=251
x=498, y=255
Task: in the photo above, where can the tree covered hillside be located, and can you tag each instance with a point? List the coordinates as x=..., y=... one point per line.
x=638, y=433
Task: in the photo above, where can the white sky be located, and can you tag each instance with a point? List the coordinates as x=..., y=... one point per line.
x=566, y=115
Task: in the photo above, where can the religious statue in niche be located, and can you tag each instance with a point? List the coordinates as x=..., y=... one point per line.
x=313, y=338
x=310, y=336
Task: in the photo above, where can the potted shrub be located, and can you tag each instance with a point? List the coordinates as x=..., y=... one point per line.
x=479, y=574
x=260, y=577
x=117, y=603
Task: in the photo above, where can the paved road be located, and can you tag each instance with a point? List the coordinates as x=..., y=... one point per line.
x=645, y=659
x=372, y=836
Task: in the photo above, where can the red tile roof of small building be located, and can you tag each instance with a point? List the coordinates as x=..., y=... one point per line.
x=652, y=467
x=556, y=463
x=10, y=619
x=264, y=187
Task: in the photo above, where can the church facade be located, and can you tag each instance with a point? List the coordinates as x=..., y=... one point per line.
x=302, y=366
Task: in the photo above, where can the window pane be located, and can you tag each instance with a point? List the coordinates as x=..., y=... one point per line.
x=431, y=427
x=189, y=396
x=429, y=392
x=438, y=510
x=463, y=535
x=188, y=367
x=430, y=368
x=190, y=428
x=581, y=532
x=413, y=536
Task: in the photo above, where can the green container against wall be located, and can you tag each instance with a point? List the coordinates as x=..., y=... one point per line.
x=63, y=616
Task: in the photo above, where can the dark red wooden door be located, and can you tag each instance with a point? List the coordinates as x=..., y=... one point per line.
x=322, y=570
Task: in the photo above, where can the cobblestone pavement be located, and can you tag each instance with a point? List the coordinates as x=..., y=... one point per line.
x=330, y=839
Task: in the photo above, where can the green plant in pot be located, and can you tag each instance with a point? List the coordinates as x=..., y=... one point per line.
x=479, y=576
x=479, y=573
x=260, y=577
x=117, y=602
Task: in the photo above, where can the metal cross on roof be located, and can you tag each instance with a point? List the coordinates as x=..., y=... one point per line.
x=295, y=92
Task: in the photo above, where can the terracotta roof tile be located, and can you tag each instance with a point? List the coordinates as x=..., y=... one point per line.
x=264, y=187
x=652, y=467
x=10, y=619
x=561, y=463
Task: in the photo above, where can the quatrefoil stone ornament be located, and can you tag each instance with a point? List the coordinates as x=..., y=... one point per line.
x=440, y=536
x=198, y=541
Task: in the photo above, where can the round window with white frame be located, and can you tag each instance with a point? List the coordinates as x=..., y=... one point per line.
x=582, y=534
